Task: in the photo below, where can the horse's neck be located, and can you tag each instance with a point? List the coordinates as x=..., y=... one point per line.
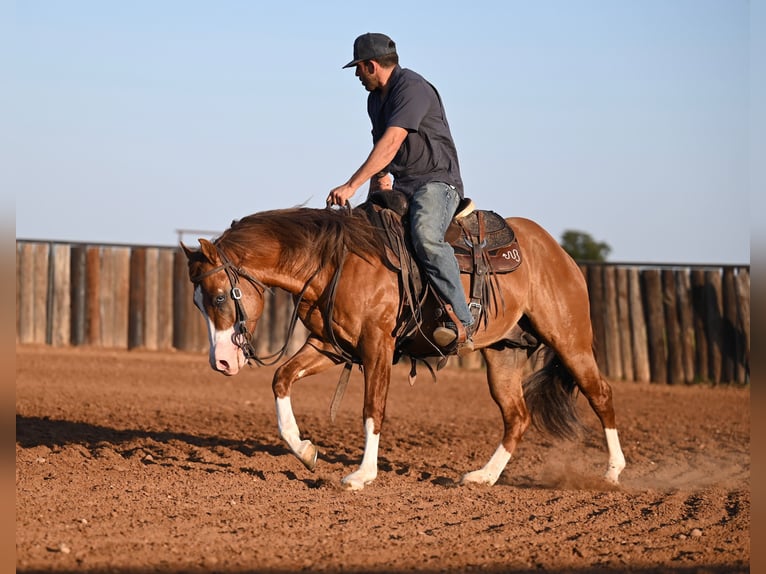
x=303, y=280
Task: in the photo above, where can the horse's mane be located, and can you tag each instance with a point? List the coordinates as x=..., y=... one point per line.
x=306, y=237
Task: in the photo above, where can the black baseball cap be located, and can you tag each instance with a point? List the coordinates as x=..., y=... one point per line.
x=370, y=46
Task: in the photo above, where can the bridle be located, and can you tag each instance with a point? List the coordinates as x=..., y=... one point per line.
x=242, y=337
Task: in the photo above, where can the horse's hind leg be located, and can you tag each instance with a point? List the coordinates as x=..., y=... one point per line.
x=504, y=374
x=596, y=389
x=562, y=320
x=575, y=351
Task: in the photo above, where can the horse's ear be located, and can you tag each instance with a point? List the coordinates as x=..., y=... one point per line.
x=208, y=250
x=189, y=252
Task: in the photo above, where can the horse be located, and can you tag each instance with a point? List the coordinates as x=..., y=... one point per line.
x=349, y=299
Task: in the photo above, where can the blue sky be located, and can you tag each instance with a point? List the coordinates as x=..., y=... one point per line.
x=628, y=120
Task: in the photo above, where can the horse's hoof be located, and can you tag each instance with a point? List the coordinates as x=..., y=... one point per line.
x=477, y=477
x=613, y=471
x=352, y=484
x=612, y=477
x=308, y=455
x=356, y=481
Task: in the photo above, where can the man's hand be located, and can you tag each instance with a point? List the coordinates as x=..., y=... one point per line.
x=340, y=195
x=381, y=155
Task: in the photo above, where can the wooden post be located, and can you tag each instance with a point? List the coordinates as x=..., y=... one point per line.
x=107, y=295
x=121, y=300
x=638, y=327
x=597, y=312
x=672, y=327
x=115, y=296
x=165, y=299
x=731, y=334
x=182, y=295
x=137, y=298
x=699, y=305
x=655, y=323
x=742, y=285
x=19, y=289
x=60, y=290
x=686, y=317
x=625, y=332
x=612, y=325
x=151, y=298
x=79, y=286
x=714, y=322
x=25, y=293
x=189, y=328
x=93, y=297
x=33, y=263
x=39, y=291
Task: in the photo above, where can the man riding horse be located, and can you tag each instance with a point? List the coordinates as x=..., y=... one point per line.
x=348, y=293
x=412, y=142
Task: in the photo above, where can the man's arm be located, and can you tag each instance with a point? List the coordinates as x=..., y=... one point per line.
x=381, y=155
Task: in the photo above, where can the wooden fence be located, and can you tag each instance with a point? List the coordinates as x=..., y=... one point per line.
x=665, y=324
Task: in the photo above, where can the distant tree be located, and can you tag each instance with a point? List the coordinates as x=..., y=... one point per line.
x=582, y=247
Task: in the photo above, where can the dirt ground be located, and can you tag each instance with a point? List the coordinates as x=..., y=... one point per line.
x=139, y=461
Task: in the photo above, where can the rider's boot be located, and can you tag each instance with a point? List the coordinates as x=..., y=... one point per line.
x=454, y=332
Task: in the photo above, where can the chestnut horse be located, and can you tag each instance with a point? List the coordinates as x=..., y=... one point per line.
x=349, y=300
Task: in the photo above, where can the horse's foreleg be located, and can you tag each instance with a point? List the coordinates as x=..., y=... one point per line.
x=376, y=381
x=288, y=430
x=504, y=373
x=307, y=361
x=368, y=470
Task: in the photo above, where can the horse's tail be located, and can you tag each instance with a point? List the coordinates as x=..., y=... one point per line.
x=550, y=396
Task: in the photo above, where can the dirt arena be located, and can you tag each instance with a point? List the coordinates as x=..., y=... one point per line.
x=138, y=462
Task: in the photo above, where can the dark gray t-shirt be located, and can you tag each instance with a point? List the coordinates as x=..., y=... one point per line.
x=428, y=153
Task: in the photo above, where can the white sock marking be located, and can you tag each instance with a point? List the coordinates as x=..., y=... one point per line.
x=288, y=427
x=494, y=468
x=371, y=442
x=616, y=457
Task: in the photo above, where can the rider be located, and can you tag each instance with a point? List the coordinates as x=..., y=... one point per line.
x=412, y=142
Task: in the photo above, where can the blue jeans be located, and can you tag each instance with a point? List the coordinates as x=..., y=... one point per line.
x=431, y=210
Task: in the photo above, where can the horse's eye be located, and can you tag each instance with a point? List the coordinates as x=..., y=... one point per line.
x=220, y=299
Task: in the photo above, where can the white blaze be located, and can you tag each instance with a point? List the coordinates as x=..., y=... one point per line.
x=224, y=355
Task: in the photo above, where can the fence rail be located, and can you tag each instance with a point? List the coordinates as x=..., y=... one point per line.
x=665, y=324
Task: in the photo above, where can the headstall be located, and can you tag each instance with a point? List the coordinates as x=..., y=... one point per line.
x=242, y=337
